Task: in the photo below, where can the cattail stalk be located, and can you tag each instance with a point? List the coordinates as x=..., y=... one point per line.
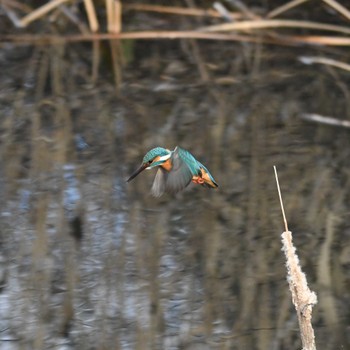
x=303, y=298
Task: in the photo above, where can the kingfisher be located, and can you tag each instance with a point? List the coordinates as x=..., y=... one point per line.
x=176, y=169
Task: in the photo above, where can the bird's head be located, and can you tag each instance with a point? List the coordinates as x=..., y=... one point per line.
x=153, y=158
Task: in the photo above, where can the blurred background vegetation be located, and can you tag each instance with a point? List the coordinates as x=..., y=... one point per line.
x=87, y=88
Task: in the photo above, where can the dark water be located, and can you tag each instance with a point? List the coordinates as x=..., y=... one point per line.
x=91, y=262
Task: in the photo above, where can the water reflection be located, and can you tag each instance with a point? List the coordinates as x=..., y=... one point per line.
x=202, y=269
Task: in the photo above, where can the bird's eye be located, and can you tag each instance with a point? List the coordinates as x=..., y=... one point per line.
x=150, y=161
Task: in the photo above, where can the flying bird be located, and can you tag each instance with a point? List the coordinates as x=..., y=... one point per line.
x=176, y=169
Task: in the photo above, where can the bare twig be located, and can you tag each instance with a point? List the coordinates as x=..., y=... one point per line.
x=303, y=298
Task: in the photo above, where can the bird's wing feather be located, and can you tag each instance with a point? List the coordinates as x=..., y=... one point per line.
x=209, y=175
x=180, y=175
x=158, y=187
x=183, y=157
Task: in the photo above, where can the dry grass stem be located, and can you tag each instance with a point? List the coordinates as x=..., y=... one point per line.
x=275, y=23
x=72, y=16
x=320, y=40
x=114, y=25
x=109, y=14
x=326, y=120
x=281, y=201
x=179, y=10
x=41, y=11
x=225, y=13
x=11, y=15
x=244, y=9
x=326, y=61
x=285, y=7
x=91, y=14
x=303, y=298
x=148, y=35
x=117, y=20
x=16, y=5
x=339, y=8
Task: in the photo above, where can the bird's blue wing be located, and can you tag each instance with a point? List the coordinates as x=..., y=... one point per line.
x=184, y=158
x=196, y=168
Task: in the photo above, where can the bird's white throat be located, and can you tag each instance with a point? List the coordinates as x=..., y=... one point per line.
x=166, y=157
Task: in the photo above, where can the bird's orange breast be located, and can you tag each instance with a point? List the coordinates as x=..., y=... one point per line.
x=167, y=165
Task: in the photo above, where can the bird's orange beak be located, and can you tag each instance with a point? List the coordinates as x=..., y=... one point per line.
x=138, y=171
